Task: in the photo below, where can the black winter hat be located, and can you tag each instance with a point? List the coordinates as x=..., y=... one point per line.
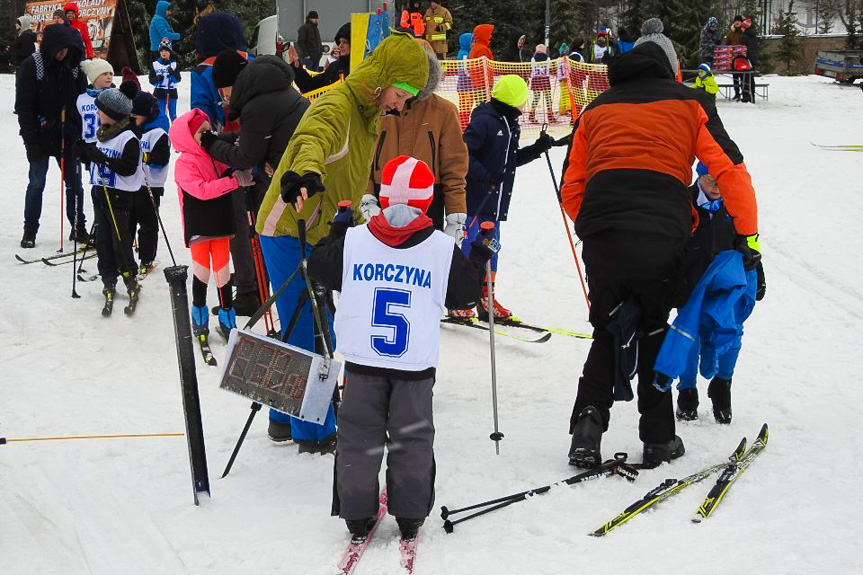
x=344, y=32
x=227, y=67
x=312, y=15
x=145, y=104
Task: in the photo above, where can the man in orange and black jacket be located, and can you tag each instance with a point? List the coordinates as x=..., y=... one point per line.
x=625, y=187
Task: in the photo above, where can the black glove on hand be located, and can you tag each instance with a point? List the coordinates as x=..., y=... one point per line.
x=343, y=220
x=34, y=152
x=93, y=154
x=544, y=142
x=160, y=78
x=748, y=246
x=292, y=185
x=762, y=283
x=208, y=138
x=493, y=180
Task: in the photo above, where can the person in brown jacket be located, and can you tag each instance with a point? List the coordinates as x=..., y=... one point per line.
x=438, y=22
x=735, y=38
x=427, y=129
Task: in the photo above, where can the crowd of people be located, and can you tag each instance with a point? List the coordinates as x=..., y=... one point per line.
x=402, y=201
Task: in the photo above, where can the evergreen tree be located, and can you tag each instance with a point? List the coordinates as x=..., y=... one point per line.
x=564, y=23
x=789, y=46
x=825, y=13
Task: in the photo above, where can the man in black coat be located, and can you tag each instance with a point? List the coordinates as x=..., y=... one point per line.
x=269, y=109
x=750, y=40
x=25, y=41
x=46, y=89
x=309, y=42
x=336, y=71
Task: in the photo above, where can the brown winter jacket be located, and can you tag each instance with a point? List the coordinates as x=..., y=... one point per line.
x=734, y=37
x=428, y=130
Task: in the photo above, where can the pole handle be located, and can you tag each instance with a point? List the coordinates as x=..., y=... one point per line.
x=301, y=234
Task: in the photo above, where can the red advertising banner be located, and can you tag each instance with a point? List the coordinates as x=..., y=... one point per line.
x=98, y=14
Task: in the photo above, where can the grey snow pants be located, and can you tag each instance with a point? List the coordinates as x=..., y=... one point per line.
x=372, y=407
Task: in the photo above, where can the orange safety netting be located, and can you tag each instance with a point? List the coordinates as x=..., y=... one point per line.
x=559, y=90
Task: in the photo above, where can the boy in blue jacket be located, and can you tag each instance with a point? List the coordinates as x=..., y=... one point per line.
x=715, y=233
x=164, y=76
x=492, y=144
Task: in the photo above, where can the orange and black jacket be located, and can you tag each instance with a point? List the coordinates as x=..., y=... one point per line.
x=630, y=160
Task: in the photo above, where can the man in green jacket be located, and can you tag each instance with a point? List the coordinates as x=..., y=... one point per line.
x=328, y=160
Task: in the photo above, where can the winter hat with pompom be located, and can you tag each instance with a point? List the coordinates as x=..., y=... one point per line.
x=95, y=67
x=130, y=76
x=144, y=104
x=651, y=31
x=116, y=103
x=406, y=180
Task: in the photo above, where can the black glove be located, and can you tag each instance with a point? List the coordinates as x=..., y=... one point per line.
x=34, y=152
x=484, y=247
x=343, y=220
x=292, y=185
x=493, y=180
x=93, y=154
x=748, y=246
x=160, y=78
x=544, y=142
x=762, y=283
x=208, y=138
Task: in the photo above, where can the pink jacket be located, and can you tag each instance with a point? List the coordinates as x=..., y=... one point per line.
x=198, y=175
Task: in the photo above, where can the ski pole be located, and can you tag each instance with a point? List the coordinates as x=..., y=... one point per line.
x=568, y=232
x=496, y=436
x=616, y=466
x=75, y=236
x=159, y=217
x=4, y=441
x=62, y=170
x=256, y=407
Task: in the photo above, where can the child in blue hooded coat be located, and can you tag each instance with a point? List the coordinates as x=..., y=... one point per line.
x=463, y=85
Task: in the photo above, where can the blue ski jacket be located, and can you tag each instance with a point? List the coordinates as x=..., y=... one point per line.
x=160, y=27
x=719, y=304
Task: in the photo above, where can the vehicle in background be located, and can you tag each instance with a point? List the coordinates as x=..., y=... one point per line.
x=844, y=65
x=266, y=38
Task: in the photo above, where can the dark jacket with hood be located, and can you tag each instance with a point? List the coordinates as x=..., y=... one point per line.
x=309, y=42
x=25, y=42
x=492, y=145
x=750, y=40
x=512, y=53
x=218, y=31
x=45, y=87
x=629, y=167
x=269, y=110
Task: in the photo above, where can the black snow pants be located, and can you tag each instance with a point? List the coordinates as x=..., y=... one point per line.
x=113, y=240
x=374, y=407
x=622, y=265
x=143, y=220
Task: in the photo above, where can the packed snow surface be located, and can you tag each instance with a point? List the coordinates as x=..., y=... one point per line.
x=125, y=505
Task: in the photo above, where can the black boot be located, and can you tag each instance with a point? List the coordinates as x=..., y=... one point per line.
x=324, y=447
x=278, y=431
x=687, y=404
x=360, y=528
x=409, y=527
x=246, y=304
x=28, y=240
x=586, y=438
x=656, y=453
x=719, y=393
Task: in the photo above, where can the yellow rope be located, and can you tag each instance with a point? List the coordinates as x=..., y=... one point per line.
x=92, y=437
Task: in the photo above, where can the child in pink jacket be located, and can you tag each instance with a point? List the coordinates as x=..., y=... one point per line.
x=204, y=185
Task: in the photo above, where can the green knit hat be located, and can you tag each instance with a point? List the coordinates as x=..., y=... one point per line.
x=511, y=90
x=407, y=88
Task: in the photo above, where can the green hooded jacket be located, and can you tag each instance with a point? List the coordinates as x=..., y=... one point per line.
x=336, y=139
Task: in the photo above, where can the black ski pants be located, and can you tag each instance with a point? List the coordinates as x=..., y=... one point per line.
x=143, y=220
x=113, y=240
x=621, y=265
x=374, y=407
x=241, y=246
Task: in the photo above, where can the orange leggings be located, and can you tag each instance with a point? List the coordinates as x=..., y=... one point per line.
x=217, y=251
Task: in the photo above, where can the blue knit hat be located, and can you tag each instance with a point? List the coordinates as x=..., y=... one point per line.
x=705, y=68
x=701, y=170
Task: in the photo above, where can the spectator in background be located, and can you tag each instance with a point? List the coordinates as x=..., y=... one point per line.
x=625, y=40
x=216, y=31
x=161, y=28
x=335, y=71
x=750, y=40
x=25, y=40
x=514, y=46
x=438, y=22
x=577, y=53
x=709, y=40
x=309, y=43
x=735, y=38
x=480, y=48
x=603, y=50
x=70, y=9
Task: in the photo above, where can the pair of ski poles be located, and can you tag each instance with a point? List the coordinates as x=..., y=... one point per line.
x=616, y=466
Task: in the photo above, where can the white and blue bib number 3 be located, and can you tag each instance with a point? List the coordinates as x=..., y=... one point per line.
x=395, y=344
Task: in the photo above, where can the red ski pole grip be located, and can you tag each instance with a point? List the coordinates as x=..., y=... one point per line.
x=487, y=225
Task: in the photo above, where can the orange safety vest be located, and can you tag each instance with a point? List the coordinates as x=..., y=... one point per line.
x=413, y=20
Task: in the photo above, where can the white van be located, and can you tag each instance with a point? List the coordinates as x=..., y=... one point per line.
x=266, y=38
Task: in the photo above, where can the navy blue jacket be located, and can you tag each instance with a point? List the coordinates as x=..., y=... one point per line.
x=492, y=144
x=219, y=31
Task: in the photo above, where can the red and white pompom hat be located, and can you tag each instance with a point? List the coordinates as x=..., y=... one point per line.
x=406, y=180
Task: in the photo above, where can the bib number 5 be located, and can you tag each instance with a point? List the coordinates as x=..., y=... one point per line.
x=386, y=301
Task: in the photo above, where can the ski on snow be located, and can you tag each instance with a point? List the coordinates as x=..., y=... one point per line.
x=357, y=546
x=51, y=258
x=840, y=148
x=671, y=487
x=475, y=324
x=206, y=352
x=408, y=552
x=516, y=322
x=729, y=475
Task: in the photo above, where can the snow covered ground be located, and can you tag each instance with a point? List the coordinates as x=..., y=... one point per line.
x=125, y=506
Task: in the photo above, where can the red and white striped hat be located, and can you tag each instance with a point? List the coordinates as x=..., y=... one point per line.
x=406, y=180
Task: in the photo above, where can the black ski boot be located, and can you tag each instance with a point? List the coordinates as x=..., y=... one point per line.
x=246, y=304
x=108, y=292
x=586, y=439
x=28, y=240
x=326, y=446
x=687, y=404
x=409, y=527
x=278, y=431
x=134, y=290
x=360, y=528
x=656, y=453
x=719, y=393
